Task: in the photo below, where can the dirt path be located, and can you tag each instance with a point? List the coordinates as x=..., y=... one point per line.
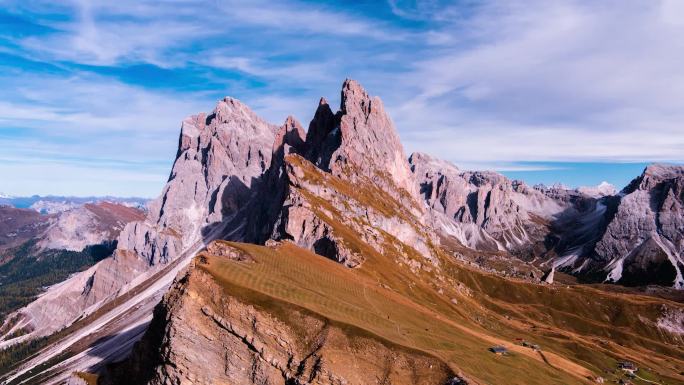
x=549, y=358
x=645, y=380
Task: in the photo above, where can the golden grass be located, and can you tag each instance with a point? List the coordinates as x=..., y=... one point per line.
x=293, y=275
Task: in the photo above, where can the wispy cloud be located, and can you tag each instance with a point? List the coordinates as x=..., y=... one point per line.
x=102, y=85
x=555, y=81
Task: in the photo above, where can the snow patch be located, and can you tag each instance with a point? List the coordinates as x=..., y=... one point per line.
x=615, y=273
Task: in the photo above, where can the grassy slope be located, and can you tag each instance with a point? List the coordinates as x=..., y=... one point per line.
x=590, y=327
x=297, y=276
x=431, y=323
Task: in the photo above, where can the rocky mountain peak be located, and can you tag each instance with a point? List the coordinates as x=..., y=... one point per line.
x=369, y=142
x=219, y=168
x=355, y=97
x=482, y=209
x=424, y=163
x=320, y=138
x=601, y=190
x=663, y=171
x=291, y=133
x=230, y=109
x=360, y=136
x=653, y=175
x=644, y=242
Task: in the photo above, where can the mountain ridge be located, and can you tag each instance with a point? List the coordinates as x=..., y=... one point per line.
x=345, y=191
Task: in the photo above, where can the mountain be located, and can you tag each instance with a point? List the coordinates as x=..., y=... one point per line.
x=482, y=209
x=633, y=238
x=39, y=250
x=644, y=241
x=54, y=204
x=276, y=255
x=73, y=229
x=19, y=225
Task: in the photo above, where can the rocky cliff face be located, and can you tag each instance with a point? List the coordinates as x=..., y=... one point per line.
x=348, y=160
x=360, y=140
x=203, y=334
x=644, y=241
x=634, y=238
x=221, y=159
x=485, y=210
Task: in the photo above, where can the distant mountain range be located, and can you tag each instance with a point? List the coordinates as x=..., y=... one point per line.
x=279, y=255
x=39, y=250
x=51, y=204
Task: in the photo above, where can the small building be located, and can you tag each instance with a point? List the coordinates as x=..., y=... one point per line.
x=499, y=350
x=627, y=366
x=531, y=345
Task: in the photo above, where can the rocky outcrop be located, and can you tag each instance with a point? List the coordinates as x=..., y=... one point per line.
x=202, y=334
x=482, y=209
x=290, y=139
x=354, y=162
x=634, y=238
x=221, y=159
x=644, y=242
x=360, y=140
x=90, y=224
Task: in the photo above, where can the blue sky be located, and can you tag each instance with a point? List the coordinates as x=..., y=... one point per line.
x=92, y=93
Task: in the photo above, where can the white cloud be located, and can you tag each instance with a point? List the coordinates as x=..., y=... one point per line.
x=108, y=33
x=488, y=84
x=554, y=81
x=307, y=72
x=89, y=133
x=29, y=177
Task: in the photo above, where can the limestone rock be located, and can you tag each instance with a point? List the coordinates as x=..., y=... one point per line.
x=354, y=162
x=90, y=224
x=218, y=170
x=644, y=241
x=221, y=157
x=482, y=209
x=361, y=136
